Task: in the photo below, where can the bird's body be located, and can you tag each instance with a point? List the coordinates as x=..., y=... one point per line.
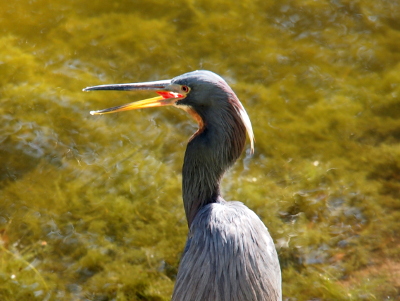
x=229, y=254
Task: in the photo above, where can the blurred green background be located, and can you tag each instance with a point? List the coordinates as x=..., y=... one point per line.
x=90, y=206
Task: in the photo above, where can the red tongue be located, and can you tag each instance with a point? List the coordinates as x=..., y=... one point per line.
x=169, y=94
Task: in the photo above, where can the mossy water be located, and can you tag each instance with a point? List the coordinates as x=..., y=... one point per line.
x=90, y=206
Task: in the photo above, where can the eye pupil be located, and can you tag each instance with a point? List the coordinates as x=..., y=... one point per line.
x=185, y=88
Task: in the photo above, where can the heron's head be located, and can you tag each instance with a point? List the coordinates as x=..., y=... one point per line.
x=203, y=94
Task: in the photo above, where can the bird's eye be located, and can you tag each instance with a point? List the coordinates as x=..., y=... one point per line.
x=185, y=89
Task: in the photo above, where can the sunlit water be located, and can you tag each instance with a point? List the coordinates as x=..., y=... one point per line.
x=90, y=206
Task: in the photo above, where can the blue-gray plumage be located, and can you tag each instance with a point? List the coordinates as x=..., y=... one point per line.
x=229, y=254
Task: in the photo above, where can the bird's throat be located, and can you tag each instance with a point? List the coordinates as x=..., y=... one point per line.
x=196, y=117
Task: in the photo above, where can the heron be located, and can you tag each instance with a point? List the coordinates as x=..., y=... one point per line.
x=229, y=254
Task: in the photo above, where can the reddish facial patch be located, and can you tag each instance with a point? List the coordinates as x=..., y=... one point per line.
x=167, y=95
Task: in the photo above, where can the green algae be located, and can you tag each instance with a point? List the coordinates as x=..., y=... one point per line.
x=90, y=206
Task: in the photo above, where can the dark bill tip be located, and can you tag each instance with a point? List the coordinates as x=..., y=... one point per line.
x=156, y=85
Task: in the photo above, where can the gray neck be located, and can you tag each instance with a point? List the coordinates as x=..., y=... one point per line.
x=208, y=155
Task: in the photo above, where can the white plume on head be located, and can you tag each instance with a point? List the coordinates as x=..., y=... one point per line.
x=247, y=123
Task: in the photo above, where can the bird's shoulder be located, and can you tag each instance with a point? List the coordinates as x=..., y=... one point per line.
x=228, y=244
x=231, y=224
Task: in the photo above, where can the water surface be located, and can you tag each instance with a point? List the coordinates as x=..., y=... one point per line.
x=90, y=206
